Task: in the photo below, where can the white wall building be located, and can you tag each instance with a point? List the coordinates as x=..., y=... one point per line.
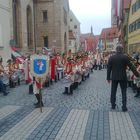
x=74, y=26
x=5, y=14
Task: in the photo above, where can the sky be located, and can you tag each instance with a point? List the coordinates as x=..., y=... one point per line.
x=95, y=13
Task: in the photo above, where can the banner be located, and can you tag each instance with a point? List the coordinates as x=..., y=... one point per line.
x=39, y=68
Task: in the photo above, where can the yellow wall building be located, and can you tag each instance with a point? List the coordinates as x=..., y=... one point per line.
x=134, y=27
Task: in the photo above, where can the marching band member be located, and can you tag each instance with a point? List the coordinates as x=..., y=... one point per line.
x=83, y=67
x=11, y=72
x=15, y=65
x=86, y=67
x=78, y=74
x=36, y=90
x=59, y=67
x=138, y=83
x=2, y=85
x=69, y=77
x=26, y=69
x=53, y=63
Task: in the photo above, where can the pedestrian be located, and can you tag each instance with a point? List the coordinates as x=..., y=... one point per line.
x=116, y=72
x=36, y=91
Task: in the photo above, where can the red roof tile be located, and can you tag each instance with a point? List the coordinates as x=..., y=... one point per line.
x=109, y=33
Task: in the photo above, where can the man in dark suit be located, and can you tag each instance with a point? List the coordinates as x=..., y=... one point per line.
x=116, y=72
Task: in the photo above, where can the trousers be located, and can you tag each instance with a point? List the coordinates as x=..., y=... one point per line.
x=123, y=86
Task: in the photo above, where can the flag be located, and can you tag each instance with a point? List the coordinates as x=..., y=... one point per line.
x=115, y=7
x=105, y=41
x=86, y=45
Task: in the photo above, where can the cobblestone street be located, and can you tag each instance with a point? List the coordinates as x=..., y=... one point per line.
x=85, y=115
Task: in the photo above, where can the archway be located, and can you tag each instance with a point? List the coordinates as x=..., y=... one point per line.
x=29, y=27
x=17, y=27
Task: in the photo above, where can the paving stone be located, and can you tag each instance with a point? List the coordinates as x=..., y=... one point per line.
x=92, y=96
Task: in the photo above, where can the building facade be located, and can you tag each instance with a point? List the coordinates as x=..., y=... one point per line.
x=5, y=14
x=114, y=12
x=109, y=39
x=134, y=27
x=123, y=23
x=74, y=28
x=88, y=42
x=52, y=24
x=23, y=25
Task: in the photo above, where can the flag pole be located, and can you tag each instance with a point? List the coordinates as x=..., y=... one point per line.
x=40, y=92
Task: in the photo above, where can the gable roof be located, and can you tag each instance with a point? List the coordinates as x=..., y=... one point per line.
x=109, y=33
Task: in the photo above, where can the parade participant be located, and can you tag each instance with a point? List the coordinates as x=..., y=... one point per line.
x=39, y=67
x=91, y=61
x=78, y=75
x=59, y=67
x=99, y=61
x=83, y=67
x=11, y=72
x=36, y=91
x=138, y=83
x=15, y=65
x=69, y=77
x=64, y=59
x=129, y=74
x=47, y=80
x=26, y=69
x=69, y=55
x=116, y=72
x=86, y=65
x=53, y=63
x=2, y=85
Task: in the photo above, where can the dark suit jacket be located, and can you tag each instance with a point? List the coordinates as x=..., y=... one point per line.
x=116, y=69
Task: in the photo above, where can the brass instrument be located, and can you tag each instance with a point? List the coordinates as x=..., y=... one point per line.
x=133, y=61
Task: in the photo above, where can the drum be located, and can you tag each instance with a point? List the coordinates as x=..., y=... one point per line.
x=59, y=69
x=68, y=80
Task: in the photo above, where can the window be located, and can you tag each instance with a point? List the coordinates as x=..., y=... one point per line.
x=45, y=16
x=138, y=3
x=138, y=24
x=134, y=8
x=130, y=28
x=46, y=42
x=65, y=16
x=134, y=26
x=75, y=26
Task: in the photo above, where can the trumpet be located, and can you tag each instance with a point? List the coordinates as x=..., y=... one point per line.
x=133, y=61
